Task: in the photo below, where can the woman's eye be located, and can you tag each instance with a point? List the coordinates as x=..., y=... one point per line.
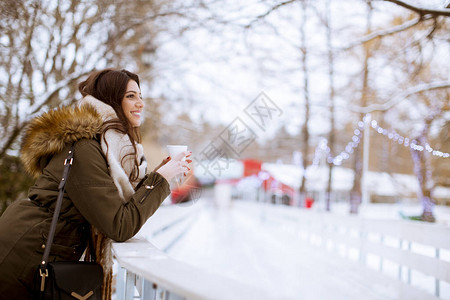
x=130, y=96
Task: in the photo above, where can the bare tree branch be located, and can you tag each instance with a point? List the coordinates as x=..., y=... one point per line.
x=47, y=97
x=422, y=10
x=386, y=32
x=44, y=56
x=268, y=12
x=402, y=96
x=11, y=139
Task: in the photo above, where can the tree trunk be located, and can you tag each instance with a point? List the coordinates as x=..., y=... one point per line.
x=305, y=131
x=331, y=139
x=423, y=171
x=356, y=192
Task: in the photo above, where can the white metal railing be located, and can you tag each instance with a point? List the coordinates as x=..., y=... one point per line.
x=376, y=246
x=147, y=272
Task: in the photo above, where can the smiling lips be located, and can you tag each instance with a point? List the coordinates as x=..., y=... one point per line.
x=136, y=113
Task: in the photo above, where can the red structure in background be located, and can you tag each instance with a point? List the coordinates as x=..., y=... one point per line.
x=278, y=191
x=185, y=191
x=251, y=167
x=275, y=187
x=283, y=192
x=309, y=202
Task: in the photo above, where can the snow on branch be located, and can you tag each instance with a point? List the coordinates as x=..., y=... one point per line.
x=46, y=97
x=386, y=32
x=402, y=96
x=421, y=10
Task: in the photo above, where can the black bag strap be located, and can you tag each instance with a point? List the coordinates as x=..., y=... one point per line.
x=62, y=184
x=92, y=255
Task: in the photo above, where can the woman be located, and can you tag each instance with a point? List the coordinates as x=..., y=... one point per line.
x=108, y=189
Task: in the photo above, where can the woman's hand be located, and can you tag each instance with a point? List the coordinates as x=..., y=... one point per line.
x=171, y=167
x=164, y=161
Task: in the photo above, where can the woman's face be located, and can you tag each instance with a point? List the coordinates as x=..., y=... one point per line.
x=132, y=104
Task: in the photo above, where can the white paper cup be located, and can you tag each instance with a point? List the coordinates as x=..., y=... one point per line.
x=174, y=150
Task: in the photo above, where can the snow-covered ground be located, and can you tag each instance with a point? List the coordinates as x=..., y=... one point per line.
x=232, y=244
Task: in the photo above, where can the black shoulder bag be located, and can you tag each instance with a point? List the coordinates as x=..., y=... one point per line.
x=66, y=279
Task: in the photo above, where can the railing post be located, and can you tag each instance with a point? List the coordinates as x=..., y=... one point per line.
x=129, y=285
x=437, y=283
x=362, y=245
x=120, y=283
x=400, y=245
x=409, y=268
x=139, y=285
x=381, y=258
x=148, y=290
x=160, y=293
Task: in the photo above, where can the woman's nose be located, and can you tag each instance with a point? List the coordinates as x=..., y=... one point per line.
x=140, y=103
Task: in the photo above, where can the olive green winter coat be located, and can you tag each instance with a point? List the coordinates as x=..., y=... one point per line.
x=91, y=198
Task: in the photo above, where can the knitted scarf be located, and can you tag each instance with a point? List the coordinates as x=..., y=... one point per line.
x=117, y=148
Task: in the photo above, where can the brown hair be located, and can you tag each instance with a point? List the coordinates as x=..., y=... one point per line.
x=110, y=86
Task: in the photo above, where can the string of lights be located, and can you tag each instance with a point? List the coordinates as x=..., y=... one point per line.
x=407, y=142
x=344, y=155
x=323, y=147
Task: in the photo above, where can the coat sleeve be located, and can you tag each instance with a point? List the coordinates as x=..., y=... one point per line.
x=92, y=190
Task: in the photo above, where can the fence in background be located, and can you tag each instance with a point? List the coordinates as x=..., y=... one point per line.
x=415, y=250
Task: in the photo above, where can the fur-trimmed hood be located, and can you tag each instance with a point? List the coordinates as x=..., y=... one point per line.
x=47, y=134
